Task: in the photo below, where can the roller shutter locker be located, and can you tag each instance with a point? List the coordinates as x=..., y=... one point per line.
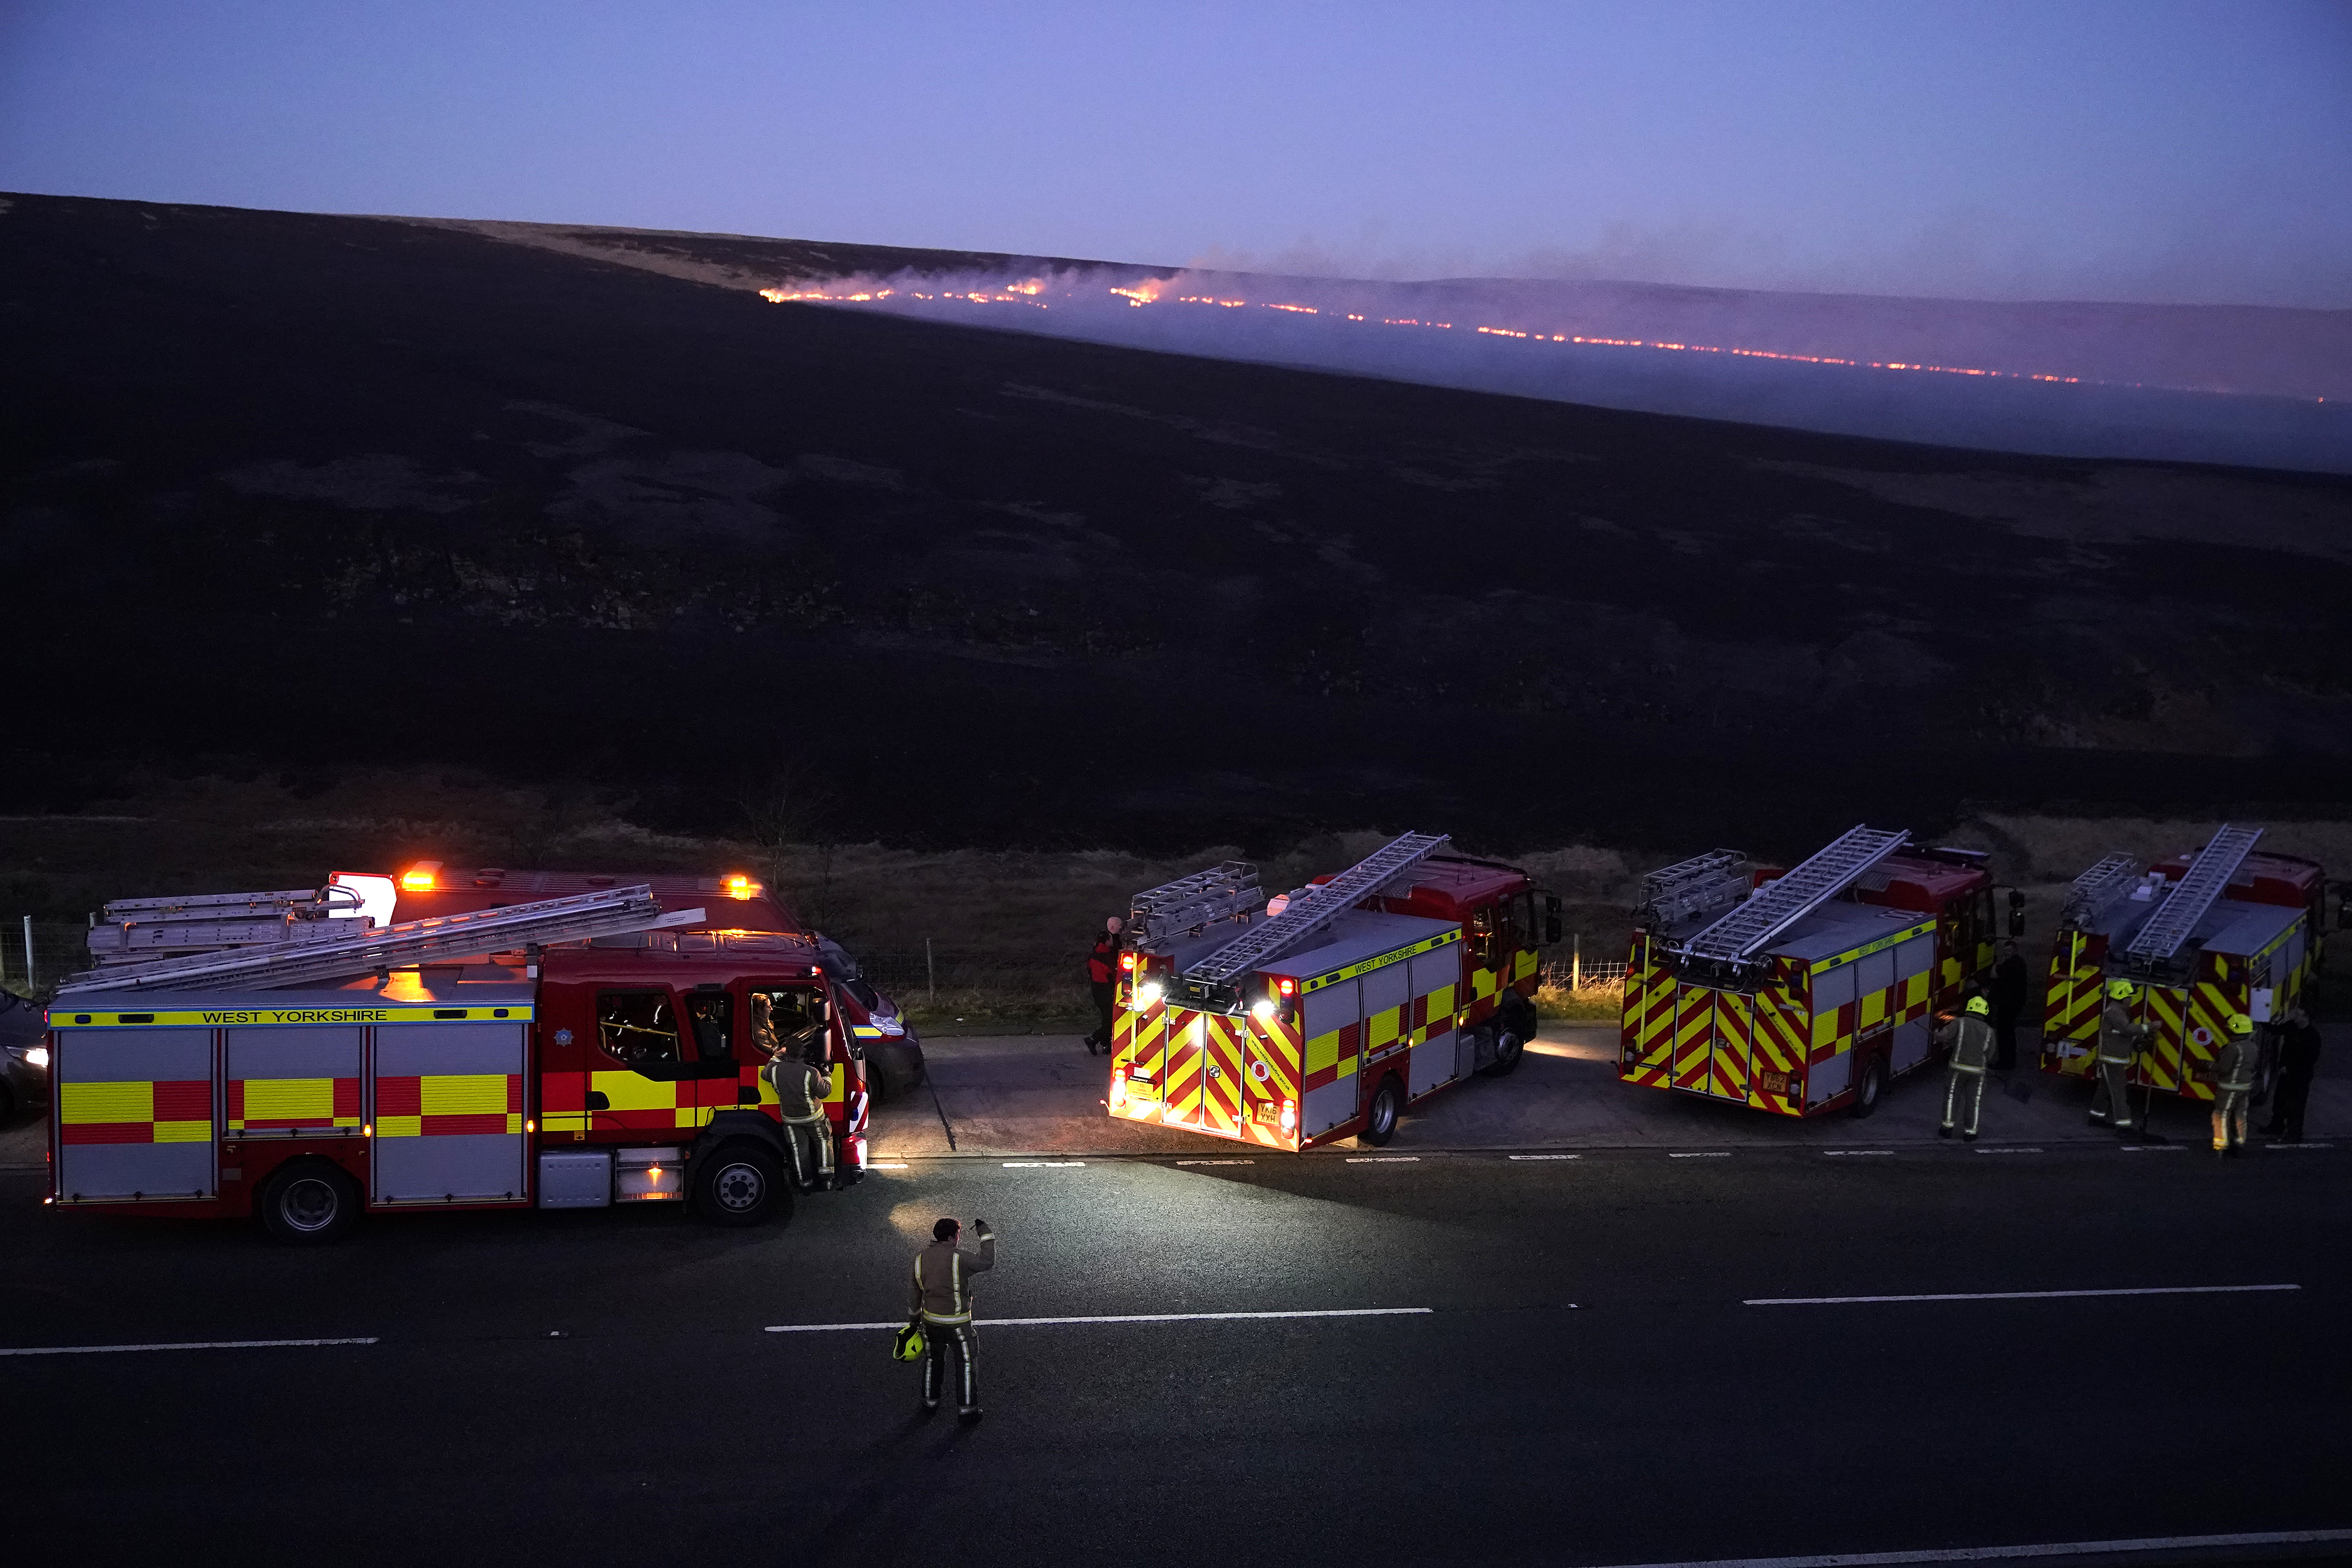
x=135, y=1114
x=447, y=1103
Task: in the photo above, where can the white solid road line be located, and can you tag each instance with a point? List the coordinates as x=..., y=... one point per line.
x=1217, y=1161
x=189, y=1345
x=1383, y=1159
x=1703, y=1154
x=2012, y=1149
x=2015, y=1295
x=2011, y=1553
x=1044, y=1165
x=1124, y=1318
x=885, y=1164
x=1837, y=1152
x=2153, y=1147
x=1547, y=1156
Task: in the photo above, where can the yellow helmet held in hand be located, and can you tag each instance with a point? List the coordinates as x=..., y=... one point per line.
x=2241, y=1025
x=1979, y=1007
x=2119, y=990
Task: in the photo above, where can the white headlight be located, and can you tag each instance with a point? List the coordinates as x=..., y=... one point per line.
x=1264, y=1007
x=39, y=1055
x=1148, y=995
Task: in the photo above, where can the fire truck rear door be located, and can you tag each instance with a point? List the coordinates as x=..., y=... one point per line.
x=135, y=1114
x=1185, y=1075
x=1332, y=1025
x=448, y=1112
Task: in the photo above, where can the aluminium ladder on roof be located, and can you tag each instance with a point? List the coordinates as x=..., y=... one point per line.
x=2161, y=934
x=2098, y=890
x=1227, y=891
x=1687, y=887
x=1780, y=903
x=1312, y=909
x=139, y=931
x=610, y=911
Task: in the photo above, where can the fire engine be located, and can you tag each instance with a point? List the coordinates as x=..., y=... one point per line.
x=2205, y=934
x=1804, y=992
x=1326, y=1012
x=570, y=1052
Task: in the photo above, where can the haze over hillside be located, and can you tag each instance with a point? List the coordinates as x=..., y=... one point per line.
x=311, y=493
x=2246, y=385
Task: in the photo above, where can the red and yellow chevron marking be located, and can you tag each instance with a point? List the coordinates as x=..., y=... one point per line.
x=2071, y=1000
x=272, y=1103
x=1220, y=1077
x=2166, y=1015
x=1734, y=1015
x=1693, y=1035
x=447, y=1105
x=165, y=1110
x=1655, y=1031
x=2210, y=1006
x=1637, y=983
x=1779, y=1053
x=1137, y=1063
x=1180, y=1094
x=1276, y=1056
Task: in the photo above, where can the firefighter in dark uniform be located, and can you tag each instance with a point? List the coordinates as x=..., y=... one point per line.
x=1102, y=979
x=2120, y=1041
x=1970, y=1037
x=2233, y=1087
x=2012, y=983
x=2298, y=1062
x=940, y=1294
x=796, y=1042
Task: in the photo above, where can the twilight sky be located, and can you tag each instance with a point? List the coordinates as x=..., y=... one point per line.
x=2152, y=151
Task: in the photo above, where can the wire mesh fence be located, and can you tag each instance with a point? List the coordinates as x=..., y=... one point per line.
x=35, y=954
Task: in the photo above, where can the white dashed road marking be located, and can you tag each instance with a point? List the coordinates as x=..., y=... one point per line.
x=1703, y=1154
x=1122, y=1318
x=189, y=1345
x=1835, y=1153
x=1217, y=1161
x=2013, y=1554
x=1383, y=1159
x=2016, y=1295
x=1547, y=1156
x=1044, y=1165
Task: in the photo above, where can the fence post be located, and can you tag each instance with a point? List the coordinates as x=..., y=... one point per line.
x=29, y=981
x=1576, y=961
x=931, y=975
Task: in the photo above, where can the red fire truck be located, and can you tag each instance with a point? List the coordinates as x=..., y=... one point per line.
x=570, y=1052
x=2203, y=935
x=1805, y=992
x=1324, y=1013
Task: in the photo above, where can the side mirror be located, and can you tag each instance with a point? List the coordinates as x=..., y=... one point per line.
x=2017, y=912
x=1551, y=925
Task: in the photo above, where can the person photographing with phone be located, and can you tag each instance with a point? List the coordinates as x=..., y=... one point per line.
x=940, y=1298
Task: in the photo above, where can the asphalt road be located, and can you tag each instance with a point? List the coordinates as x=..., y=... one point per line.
x=1586, y=1385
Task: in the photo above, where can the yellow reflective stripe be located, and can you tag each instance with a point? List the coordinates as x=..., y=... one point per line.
x=133, y=1101
x=1881, y=944
x=629, y=1091
x=273, y=1099
x=1441, y=939
x=62, y=1015
x=400, y=1127
x=183, y=1132
x=462, y=1094
x=839, y=1081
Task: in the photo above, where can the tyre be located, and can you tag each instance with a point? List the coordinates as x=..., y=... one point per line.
x=1380, y=1122
x=1872, y=1087
x=310, y=1203
x=741, y=1184
x=1508, y=1047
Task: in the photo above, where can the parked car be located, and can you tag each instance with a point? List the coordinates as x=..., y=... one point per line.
x=876, y=1025
x=23, y=1058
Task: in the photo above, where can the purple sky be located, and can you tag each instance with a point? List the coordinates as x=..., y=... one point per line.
x=2150, y=151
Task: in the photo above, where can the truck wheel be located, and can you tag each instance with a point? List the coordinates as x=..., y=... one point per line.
x=1872, y=1087
x=1380, y=1122
x=1509, y=1046
x=310, y=1203
x=741, y=1184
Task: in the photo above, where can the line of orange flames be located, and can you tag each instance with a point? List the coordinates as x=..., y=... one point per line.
x=1153, y=290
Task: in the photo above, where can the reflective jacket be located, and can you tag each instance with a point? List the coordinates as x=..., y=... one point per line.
x=1099, y=962
x=2233, y=1064
x=2120, y=1039
x=1970, y=1039
x=942, y=1287
x=801, y=1089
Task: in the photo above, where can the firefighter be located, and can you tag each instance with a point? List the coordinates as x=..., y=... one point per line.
x=2120, y=1040
x=1970, y=1037
x=797, y=1072
x=2011, y=983
x=2298, y=1061
x=940, y=1294
x=2233, y=1085
x=1102, y=976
